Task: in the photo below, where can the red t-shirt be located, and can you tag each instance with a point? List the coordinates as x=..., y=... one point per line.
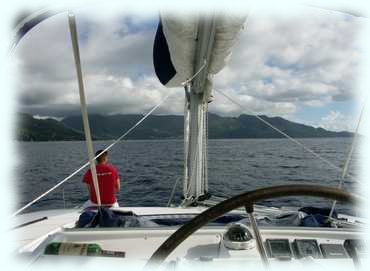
x=107, y=179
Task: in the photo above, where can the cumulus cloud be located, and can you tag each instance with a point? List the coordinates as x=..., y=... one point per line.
x=116, y=63
x=337, y=121
x=311, y=57
x=277, y=64
x=249, y=105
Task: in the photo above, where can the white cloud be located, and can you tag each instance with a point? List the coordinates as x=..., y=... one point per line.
x=250, y=105
x=312, y=56
x=46, y=117
x=116, y=63
x=336, y=121
x=277, y=64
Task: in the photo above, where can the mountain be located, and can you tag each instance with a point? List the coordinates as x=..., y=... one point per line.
x=248, y=126
x=163, y=127
x=169, y=126
x=109, y=127
x=31, y=129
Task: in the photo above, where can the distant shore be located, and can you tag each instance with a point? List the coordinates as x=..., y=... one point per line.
x=163, y=127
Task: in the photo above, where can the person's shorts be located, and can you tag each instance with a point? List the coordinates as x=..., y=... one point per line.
x=89, y=203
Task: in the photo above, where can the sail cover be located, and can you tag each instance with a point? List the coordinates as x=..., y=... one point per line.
x=175, y=47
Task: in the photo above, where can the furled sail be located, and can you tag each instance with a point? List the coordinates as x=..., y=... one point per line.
x=175, y=48
x=192, y=50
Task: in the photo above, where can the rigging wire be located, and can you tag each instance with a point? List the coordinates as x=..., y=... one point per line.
x=348, y=160
x=87, y=163
x=173, y=192
x=282, y=133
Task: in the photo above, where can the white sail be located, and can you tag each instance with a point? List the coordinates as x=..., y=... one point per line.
x=181, y=35
x=192, y=50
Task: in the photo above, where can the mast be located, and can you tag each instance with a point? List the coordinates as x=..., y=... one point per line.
x=195, y=185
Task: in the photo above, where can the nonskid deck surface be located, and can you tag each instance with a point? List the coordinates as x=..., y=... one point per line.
x=139, y=243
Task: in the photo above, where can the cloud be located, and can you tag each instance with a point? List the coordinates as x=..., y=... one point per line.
x=116, y=63
x=336, y=121
x=46, y=117
x=249, y=105
x=277, y=64
x=310, y=57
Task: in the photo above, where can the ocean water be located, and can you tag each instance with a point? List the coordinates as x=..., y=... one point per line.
x=149, y=169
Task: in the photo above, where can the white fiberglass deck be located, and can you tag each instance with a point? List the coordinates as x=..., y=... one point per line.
x=206, y=246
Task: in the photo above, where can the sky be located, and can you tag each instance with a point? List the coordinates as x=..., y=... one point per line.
x=303, y=67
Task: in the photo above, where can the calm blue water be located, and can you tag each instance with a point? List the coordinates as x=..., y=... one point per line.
x=149, y=168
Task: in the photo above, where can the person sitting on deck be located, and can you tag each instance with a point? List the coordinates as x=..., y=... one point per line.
x=109, y=183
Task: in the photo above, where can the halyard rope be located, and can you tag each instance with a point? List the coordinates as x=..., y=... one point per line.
x=87, y=163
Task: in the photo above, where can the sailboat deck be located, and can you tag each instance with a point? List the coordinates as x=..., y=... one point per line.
x=139, y=243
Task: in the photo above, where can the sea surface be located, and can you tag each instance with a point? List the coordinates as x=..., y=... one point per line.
x=149, y=169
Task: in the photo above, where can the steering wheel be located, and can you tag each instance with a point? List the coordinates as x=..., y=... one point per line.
x=247, y=200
